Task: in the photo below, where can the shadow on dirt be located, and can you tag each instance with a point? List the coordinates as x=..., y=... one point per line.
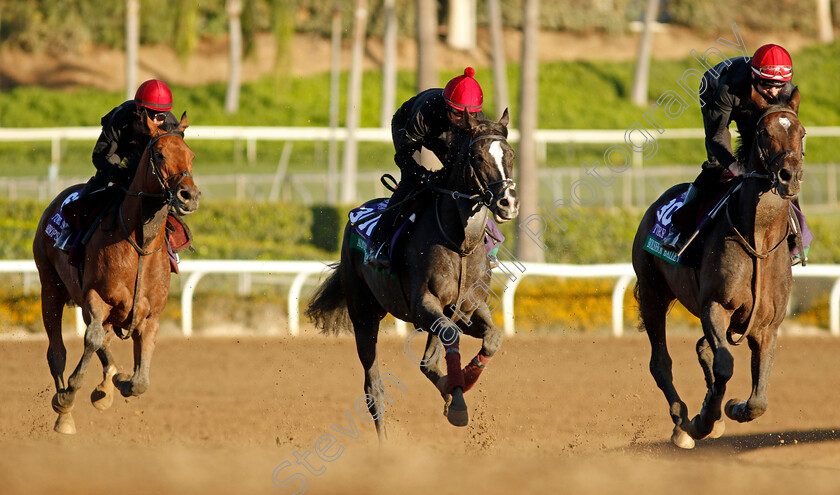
x=735, y=444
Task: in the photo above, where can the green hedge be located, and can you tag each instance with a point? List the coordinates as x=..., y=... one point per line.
x=275, y=231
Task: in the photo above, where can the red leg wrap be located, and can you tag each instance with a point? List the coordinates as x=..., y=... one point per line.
x=473, y=370
x=454, y=373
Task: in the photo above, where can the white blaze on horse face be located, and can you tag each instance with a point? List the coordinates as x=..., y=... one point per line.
x=785, y=123
x=497, y=153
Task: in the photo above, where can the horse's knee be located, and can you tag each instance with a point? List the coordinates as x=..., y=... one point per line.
x=94, y=336
x=723, y=365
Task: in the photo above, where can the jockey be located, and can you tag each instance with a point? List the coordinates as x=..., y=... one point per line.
x=426, y=120
x=123, y=140
x=725, y=96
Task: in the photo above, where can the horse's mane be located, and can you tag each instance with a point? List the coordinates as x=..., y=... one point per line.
x=745, y=141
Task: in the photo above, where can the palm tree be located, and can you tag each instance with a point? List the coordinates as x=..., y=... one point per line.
x=354, y=103
x=640, y=79
x=526, y=249
x=234, y=11
x=132, y=41
x=500, y=86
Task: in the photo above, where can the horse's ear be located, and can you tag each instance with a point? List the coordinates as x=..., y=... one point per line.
x=471, y=120
x=505, y=120
x=759, y=100
x=153, y=128
x=184, y=123
x=793, y=104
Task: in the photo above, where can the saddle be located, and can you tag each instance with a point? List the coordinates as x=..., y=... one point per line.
x=364, y=218
x=87, y=213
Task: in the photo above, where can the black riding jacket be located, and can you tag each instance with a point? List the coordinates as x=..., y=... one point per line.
x=121, y=144
x=422, y=121
x=725, y=99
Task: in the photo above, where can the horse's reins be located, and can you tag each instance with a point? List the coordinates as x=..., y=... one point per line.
x=170, y=198
x=754, y=254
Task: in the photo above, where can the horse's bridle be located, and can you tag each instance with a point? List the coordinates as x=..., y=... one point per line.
x=767, y=163
x=167, y=194
x=485, y=195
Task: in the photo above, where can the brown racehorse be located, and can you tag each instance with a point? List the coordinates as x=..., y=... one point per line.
x=744, y=280
x=124, y=282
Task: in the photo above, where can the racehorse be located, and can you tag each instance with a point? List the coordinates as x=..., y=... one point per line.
x=444, y=257
x=743, y=281
x=123, y=283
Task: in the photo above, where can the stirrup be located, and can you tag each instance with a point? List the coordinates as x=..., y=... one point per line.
x=63, y=240
x=492, y=261
x=673, y=241
x=378, y=258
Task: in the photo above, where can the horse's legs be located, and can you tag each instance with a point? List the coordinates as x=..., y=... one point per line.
x=706, y=358
x=144, y=345
x=366, y=337
x=491, y=341
x=365, y=314
x=430, y=365
x=53, y=298
x=715, y=321
x=429, y=316
x=653, y=308
x=763, y=352
x=103, y=395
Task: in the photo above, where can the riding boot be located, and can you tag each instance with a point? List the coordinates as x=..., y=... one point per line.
x=65, y=238
x=380, y=253
x=675, y=240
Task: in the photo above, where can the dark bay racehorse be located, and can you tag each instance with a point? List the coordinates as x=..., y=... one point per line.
x=743, y=283
x=124, y=282
x=444, y=256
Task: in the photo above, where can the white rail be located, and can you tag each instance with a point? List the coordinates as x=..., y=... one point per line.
x=195, y=270
x=55, y=135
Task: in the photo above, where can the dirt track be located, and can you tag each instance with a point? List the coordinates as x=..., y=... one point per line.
x=551, y=415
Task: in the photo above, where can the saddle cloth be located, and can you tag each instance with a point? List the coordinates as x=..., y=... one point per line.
x=691, y=258
x=85, y=216
x=365, y=217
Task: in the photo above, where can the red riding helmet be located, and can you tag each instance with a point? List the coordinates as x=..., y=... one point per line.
x=464, y=93
x=154, y=95
x=773, y=64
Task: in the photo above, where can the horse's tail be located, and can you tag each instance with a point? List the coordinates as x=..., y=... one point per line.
x=328, y=308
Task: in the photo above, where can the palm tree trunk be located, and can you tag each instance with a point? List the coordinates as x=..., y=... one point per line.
x=354, y=103
x=132, y=41
x=389, y=65
x=234, y=11
x=640, y=78
x=427, y=24
x=500, y=86
x=527, y=250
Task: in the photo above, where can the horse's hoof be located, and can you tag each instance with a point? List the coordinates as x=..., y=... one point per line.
x=718, y=429
x=457, y=413
x=103, y=395
x=123, y=383
x=731, y=409
x=65, y=424
x=716, y=432
x=102, y=399
x=441, y=386
x=58, y=407
x=682, y=439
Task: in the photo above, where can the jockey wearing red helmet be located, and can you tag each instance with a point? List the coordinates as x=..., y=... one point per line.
x=727, y=94
x=427, y=120
x=123, y=139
